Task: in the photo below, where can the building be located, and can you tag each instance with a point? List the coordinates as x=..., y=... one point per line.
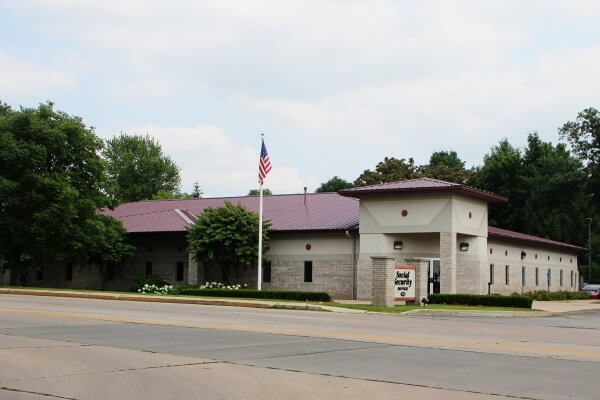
x=326, y=241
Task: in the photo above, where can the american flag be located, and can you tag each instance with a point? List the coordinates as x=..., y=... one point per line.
x=264, y=165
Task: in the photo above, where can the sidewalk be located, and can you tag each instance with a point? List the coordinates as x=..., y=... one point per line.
x=542, y=308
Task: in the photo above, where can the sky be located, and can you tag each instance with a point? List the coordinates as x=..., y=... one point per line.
x=335, y=86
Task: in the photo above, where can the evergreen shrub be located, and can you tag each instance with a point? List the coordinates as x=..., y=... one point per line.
x=262, y=294
x=481, y=300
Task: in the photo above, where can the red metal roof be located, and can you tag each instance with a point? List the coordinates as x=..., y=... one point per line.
x=321, y=212
x=503, y=234
x=421, y=185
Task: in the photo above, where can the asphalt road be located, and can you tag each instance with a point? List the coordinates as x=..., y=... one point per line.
x=100, y=349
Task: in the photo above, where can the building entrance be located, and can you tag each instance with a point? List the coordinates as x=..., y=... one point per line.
x=434, y=275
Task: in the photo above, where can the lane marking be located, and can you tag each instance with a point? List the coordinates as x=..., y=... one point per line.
x=280, y=316
x=297, y=332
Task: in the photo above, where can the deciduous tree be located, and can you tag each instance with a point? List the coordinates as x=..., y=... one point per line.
x=227, y=237
x=334, y=184
x=51, y=186
x=389, y=170
x=447, y=166
x=545, y=185
x=255, y=192
x=138, y=169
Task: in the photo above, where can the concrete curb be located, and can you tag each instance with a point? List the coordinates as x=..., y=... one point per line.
x=168, y=299
x=475, y=313
x=284, y=305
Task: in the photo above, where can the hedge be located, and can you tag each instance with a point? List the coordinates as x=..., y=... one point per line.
x=481, y=300
x=560, y=295
x=262, y=294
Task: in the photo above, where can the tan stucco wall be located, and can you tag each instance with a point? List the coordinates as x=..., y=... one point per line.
x=509, y=253
x=332, y=262
x=429, y=212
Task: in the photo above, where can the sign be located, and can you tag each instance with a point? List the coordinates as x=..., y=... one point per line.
x=404, y=282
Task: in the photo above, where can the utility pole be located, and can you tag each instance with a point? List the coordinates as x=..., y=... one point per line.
x=590, y=248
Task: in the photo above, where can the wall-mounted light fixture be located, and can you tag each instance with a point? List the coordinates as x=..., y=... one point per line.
x=397, y=244
x=523, y=254
x=464, y=246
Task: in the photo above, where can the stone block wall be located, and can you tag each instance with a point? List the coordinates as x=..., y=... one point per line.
x=382, y=286
x=331, y=275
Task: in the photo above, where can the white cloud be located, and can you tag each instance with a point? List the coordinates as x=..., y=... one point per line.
x=337, y=85
x=221, y=165
x=19, y=78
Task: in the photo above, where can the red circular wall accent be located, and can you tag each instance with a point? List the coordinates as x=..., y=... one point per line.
x=404, y=213
x=470, y=215
x=308, y=246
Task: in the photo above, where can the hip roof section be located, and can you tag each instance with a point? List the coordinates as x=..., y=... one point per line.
x=503, y=234
x=292, y=212
x=287, y=213
x=421, y=185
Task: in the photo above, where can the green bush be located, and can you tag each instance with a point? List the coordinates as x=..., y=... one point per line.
x=150, y=280
x=481, y=300
x=256, y=294
x=545, y=295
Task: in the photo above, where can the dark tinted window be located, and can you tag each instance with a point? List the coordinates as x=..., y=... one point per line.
x=307, y=271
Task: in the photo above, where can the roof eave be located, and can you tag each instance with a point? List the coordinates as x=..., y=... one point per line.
x=490, y=197
x=565, y=246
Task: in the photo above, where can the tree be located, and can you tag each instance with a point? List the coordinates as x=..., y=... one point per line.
x=51, y=186
x=447, y=166
x=165, y=195
x=545, y=185
x=389, y=170
x=255, y=192
x=108, y=246
x=138, y=169
x=227, y=237
x=197, y=192
x=584, y=137
x=333, y=185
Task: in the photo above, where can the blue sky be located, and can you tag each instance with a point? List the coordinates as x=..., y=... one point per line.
x=335, y=86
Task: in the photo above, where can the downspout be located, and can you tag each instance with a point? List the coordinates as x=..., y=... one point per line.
x=354, y=272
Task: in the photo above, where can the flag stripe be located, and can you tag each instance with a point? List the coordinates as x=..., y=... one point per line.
x=264, y=164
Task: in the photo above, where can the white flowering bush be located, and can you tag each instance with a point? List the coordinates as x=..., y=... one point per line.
x=219, y=285
x=149, y=288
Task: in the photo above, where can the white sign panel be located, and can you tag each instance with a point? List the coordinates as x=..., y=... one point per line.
x=404, y=282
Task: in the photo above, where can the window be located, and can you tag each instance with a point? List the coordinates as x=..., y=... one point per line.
x=69, y=272
x=549, y=277
x=267, y=271
x=522, y=276
x=148, y=270
x=561, y=277
x=572, y=280
x=307, y=271
x=491, y=274
x=507, y=274
x=180, y=271
x=537, y=276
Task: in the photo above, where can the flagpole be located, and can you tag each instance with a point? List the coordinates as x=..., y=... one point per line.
x=260, y=226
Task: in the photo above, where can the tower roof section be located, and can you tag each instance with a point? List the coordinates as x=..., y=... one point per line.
x=421, y=185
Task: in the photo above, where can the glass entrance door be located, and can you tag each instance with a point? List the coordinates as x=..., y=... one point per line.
x=434, y=275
